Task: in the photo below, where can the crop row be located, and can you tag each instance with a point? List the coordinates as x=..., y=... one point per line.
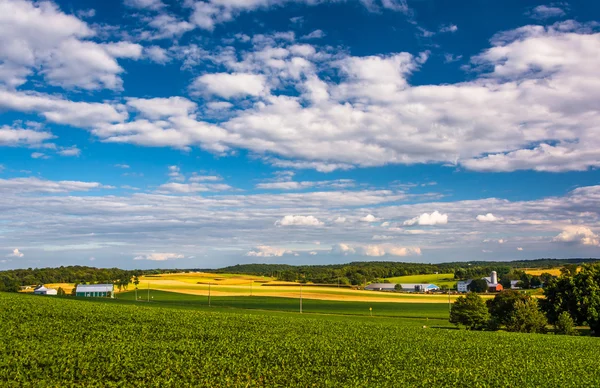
x=60, y=342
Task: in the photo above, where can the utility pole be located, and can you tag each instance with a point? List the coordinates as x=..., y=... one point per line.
x=300, y=298
x=208, y=294
x=449, y=306
x=148, y=291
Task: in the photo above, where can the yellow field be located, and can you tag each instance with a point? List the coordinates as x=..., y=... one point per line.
x=244, y=285
x=538, y=272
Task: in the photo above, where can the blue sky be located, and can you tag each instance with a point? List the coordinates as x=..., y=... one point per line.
x=154, y=133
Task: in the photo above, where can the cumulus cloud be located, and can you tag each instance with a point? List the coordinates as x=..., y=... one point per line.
x=435, y=218
x=519, y=248
x=159, y=256
x=69, y=151
x=15, y=253
x=187, y=188
x=370, y=218
x=145, y=4
x=299, y=221
x=14, y=137
x=38, y=35
x=228, y=85
x=578, y=235
x=268, y=251
x=488, y=217
x=449, y=28
x=542, y=12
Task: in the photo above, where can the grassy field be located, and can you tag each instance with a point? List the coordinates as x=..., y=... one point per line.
x=49, y=341
x=407, y=310
x=442, y=279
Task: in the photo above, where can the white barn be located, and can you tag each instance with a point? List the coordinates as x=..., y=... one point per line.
x=41, y=290
x=95, y=290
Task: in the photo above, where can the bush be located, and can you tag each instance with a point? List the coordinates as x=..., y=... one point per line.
x=478, y=285
x=527, y=318
x=503, y=305
x=60, y=292
x=565, y=324
x=470, y=311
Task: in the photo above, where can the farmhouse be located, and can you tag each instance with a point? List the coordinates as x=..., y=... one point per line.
x=41, y=290
x=95, y=290
x=407, y=287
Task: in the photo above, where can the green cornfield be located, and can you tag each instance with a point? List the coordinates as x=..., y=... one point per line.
x=61, y=342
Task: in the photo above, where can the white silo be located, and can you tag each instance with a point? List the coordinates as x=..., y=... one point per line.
x=494, y=277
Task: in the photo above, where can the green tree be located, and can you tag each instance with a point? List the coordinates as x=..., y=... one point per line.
x=470, y=311
x=503, y=305
x=398, y=287
x=565, y=324
x=478, y=285
x=527, y=318
x=74, y=290
x=577, y=293
x=61, y=292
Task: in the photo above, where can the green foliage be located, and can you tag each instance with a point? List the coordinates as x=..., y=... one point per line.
x=398, y=287
x=60, y=292
x=503, y=305
x=478, y=285
x=565, y=324
x=527, y=318
x=577, y=293
x=141, y=345
x=470, y=311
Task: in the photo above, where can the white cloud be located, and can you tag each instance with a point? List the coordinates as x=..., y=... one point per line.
x=299, y=221
x=69, y=151
x=161, y=108
x=26, y=185
x=124, y=166
x=435, y=218
x=489, y=217
x=313, y=253
x=39, y=155
x=578, y=235
x=145, y=4
x=39, y=37
x=22, y=137
x=230, y=85
x=157, y=54
x=449, y=28
x=542, y=12
x=268, y=251
x=293, y=185
x=375, y=250
x=188, y=188
x=165, y=26
x=449, y=58
x=159, y=256
x=204, y=178
x=370, y=218
x=340, y=220
x=316, y=34
x=519, y=249
x=15, y=253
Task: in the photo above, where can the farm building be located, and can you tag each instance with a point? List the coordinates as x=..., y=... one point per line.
x=381, y=287
x=95, y=290
x=492, y=283
x=407, y=287
x=41, y=290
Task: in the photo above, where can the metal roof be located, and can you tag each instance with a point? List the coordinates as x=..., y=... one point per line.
x=385, y=286
x=95, y=288
x=422, y=285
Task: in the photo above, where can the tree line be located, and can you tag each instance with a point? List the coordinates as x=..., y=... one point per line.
x=572, y=299
x=359, y=273
x=12, y=280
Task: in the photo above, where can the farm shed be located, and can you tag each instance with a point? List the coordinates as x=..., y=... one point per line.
x=407, y=287
x=419, y=287
x=41, y=290
x=95, y=290
x=381, y=286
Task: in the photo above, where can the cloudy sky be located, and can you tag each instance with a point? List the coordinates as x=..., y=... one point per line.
x=186, y=133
